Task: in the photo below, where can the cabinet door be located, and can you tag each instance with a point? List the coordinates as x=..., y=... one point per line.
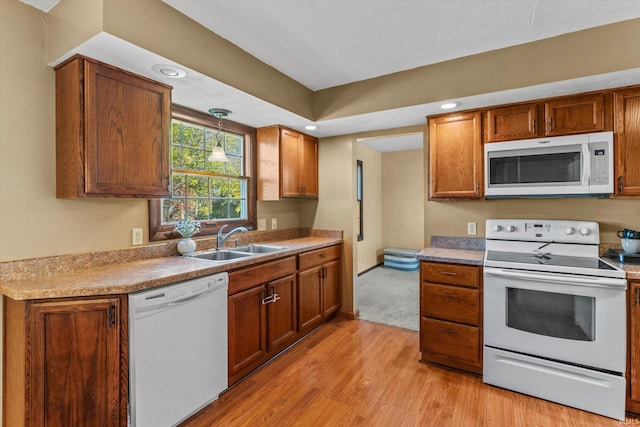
x=309, y=165
x=75, y=363
x=247, y=330
x=509, y=123
x=576, y=114
x=309, y=298
x=281, y=314
x=455, y=156
x=126, y=133
x=290, y=163
x=633, y=370
x=331, y=288
x=627, y=142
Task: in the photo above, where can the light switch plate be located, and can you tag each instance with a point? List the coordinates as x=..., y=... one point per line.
x=274, y=223
x=262, y=224
x=471, y=228
x=136, y=236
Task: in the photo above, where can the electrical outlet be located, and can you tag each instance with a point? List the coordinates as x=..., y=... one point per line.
x=136, y=236
x=262, y=224
x=274, y=223
x=471, y=228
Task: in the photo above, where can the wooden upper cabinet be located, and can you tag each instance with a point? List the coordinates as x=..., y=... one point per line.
x=287, y=164
x=455, y=156
x=513, y=122
x=112, y=132
x=574, y=114
x=627, y=142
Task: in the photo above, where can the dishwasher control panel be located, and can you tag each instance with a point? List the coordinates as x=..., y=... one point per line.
x=151, y=299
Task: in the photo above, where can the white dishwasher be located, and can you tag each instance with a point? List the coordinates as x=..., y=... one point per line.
x=177, y=350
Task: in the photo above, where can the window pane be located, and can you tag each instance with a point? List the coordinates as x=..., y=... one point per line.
x=233, y=144
x=176, y=157
x=236, y=208
x=178, y=187
x=198, y=186
x=219, y=187
x=234, y=166
x=202, y=208
x=197, y=194
x=173, y=210
x=220, y=208
x=193, y=136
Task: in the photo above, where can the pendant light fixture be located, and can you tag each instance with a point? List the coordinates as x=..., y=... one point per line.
x=218, y=154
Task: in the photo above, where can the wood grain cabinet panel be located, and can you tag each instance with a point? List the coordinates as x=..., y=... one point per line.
x=574, y=114
x=627, y=142
x=512, y=122
x=262, y=314
x=287, y=164
x=633, y=347
x=112, y=132
x=451, y=303
x=318, y=286
x=68, y=362
x=455, y=156
x=451, y=315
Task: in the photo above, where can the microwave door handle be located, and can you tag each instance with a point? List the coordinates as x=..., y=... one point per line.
x=586, y=164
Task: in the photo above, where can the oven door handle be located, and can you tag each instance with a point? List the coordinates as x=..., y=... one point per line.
x=557, y=278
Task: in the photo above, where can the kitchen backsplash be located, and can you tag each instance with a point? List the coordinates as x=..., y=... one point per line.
x=28, y=268
x=454, y=242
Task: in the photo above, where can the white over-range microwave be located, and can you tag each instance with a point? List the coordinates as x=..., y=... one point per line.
x=576, y=165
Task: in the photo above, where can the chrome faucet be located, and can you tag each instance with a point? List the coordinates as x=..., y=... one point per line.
x=221, y=239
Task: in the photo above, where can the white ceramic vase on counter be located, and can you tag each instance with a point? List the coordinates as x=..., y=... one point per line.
x=186, y=246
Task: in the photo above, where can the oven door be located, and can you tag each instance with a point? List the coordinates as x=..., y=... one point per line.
x=565, y=317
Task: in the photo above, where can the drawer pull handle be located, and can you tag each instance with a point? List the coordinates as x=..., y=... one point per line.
x=323, y=255
x=449, y=295
x=448, y=273
x=449, y=332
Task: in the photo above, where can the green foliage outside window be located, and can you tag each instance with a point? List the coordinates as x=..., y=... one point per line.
x=201, y=189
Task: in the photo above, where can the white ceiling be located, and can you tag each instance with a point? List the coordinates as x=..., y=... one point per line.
x=324, y=43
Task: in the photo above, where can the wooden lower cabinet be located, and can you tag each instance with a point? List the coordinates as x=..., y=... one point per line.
x=633, y=347
x=66, y=362
x=318, y=286
x=262, y=314
x=451, y=315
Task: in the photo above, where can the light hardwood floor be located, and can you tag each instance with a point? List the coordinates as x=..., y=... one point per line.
x=359, y=373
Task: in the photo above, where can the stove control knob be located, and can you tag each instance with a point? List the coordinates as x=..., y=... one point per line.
x=510, y=228
x=585, y=231
x=569, y=231
x=497, y=228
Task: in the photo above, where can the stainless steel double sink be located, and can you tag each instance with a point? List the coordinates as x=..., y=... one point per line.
x=232, y=254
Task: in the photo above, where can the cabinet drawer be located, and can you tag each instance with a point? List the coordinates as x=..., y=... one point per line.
x=319, y=256
x=451, y=303
x=459, y=342
x=455, y=274
x=260, y=274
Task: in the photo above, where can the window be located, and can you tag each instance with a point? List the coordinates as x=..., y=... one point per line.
x=359, y=191
x=215, y=193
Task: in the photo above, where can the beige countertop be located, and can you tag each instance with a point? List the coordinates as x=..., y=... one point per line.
x=135, y=275
x=458, y=256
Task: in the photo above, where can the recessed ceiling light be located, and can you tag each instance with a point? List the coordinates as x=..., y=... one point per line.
x=449, y=105
x=311, y=127
x=170, y=71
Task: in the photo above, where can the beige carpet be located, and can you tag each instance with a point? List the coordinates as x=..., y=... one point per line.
x=390, y=297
